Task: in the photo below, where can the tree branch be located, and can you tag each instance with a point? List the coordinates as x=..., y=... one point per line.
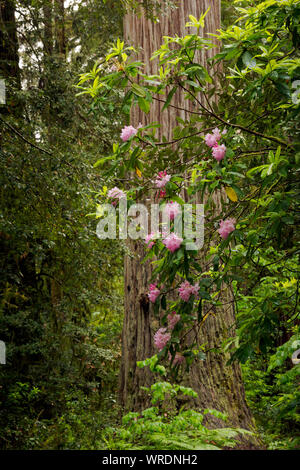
x=24, y=138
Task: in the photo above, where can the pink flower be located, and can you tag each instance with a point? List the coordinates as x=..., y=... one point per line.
x=153, y=293
x=116, y=194
x=226, y=227
x=212, y=139
x=129, y=131
x=219, y=152
x=173, y=319
x=162, y=193
x=172, y=209
x=186, y=290
x=216, y=133
x=224, y=132
x=172, y=242
x=150, y=239
x=195, y=289
x=161, y=338
x=162, y=179
x=178, y=359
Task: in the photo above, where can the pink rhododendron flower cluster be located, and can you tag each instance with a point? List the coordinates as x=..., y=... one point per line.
x=153, y=292
x=161, y=338
x=211, y=140
x=219, y=151
x=150, y=239
x=226, y=227
x=186, y=290
x=172, y=242
x=172, y=209
x=129, y=131
x=173, y=319
x=162, y=179
x=116, y=194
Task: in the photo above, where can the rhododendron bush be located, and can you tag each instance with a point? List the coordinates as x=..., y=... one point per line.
x=238, y=145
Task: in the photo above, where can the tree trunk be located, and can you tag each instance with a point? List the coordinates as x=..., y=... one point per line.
x=53, y=12
x=59, y=9
x=47, y=34
x=9, y=58
x=219, y=386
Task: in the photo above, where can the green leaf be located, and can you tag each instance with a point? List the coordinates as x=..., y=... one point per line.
x=103, y=160
x=169, y=98
x=144, y=105
x=248, y=60
x=138, y=90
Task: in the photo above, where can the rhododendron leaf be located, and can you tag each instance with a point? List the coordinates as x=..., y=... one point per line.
x=144, y=105
x=177, y=198
x=133, y=156
x=169, y=98
x=160, y=369
x=248, y=60
x=138, y=90
x=103, y=160
x=179, y=254
x=231, y=194
x=229, y=153
x=256, y=169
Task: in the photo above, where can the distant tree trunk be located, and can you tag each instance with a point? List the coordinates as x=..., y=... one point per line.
x=219, y=386
x=48, y=41
x=9, y=58
x=59, y=18
x=51, y=39
x=48, y=33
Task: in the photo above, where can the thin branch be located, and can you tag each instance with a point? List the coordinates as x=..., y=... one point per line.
x=176, y=107
x=201, y=131
x=229, y=124
x=24, y=138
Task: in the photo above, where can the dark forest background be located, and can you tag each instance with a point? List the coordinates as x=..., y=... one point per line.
x=62, y=288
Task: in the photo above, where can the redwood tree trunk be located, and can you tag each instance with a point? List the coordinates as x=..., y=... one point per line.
x=219, y=386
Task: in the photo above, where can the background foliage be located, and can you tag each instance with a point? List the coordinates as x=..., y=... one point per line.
x=61, y=304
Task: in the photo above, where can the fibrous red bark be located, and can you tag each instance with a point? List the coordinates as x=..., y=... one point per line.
x=219, y=386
